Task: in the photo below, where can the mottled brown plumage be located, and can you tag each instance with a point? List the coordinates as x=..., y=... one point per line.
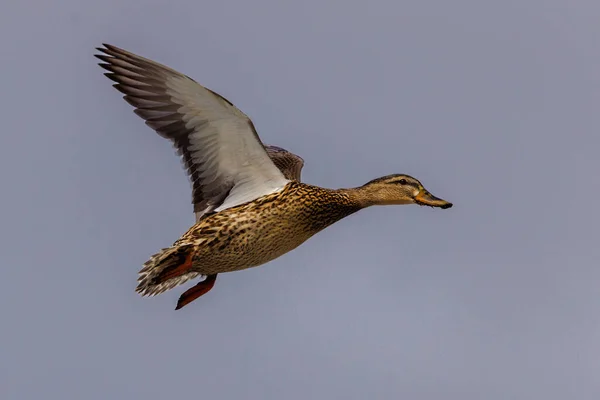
x=249, y=203
x=257, y=232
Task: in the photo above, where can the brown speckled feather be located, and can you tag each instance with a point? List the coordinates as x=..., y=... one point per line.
x=255, y=233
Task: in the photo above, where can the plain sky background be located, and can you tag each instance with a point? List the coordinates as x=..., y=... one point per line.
x=493, y=105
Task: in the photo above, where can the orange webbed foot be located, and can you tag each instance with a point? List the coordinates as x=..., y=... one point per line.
x=194, y=292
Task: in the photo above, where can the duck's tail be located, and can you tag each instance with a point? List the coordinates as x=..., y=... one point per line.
x=166, y=269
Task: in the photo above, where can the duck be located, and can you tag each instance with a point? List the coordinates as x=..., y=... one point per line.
x=249, y=201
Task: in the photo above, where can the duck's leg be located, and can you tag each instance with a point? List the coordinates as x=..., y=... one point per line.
x=194, y=292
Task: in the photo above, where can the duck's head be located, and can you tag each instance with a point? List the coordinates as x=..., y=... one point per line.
x=399, y=189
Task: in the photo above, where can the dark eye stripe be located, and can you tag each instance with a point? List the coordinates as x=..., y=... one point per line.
x=405, y=182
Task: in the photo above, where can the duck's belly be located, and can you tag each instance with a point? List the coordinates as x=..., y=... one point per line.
x=260, y=231
x=247, y=243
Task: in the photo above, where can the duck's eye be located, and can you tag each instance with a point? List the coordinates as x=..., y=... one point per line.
x=402, y=181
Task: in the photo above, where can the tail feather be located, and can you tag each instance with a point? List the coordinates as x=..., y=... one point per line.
x=166, y=269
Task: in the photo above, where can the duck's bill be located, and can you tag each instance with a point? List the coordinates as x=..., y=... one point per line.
x=424, y=198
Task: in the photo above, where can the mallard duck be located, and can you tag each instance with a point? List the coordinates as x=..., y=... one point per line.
x=250, y=204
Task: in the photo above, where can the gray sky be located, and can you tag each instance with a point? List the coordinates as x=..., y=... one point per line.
x=492, y=105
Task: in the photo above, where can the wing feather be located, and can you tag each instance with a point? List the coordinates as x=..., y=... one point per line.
x=225, y=159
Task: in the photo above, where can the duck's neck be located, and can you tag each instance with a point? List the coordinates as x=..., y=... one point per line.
x=323, y=207
x=375, y=195
x=362, y=196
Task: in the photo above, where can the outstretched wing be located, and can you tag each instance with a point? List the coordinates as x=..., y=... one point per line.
x=222, y=153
